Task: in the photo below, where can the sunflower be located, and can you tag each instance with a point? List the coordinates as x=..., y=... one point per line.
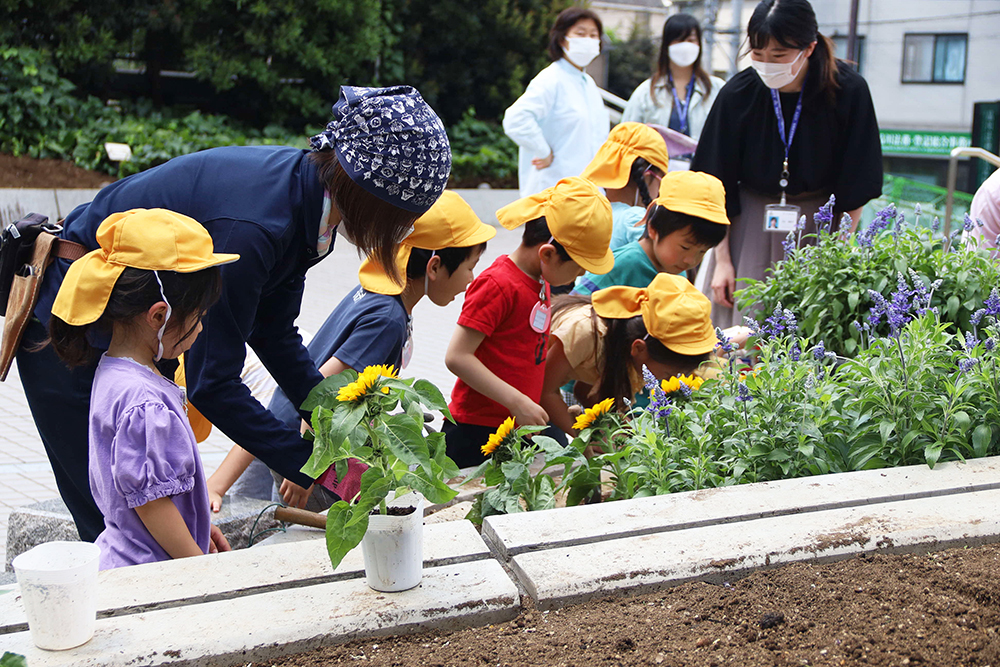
x=673, y=384
x=590, y=415
x=498, y=438
x=367, y=379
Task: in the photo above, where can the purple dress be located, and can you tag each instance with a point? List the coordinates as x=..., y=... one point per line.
x=141, y=449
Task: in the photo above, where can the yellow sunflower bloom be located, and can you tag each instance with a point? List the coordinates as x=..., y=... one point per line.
x=591, y=414
x=367, y=379
x=674, y=384
x=496, y=439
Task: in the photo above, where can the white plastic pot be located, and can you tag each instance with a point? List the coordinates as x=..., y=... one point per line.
x=58, y=583
x=393, y=547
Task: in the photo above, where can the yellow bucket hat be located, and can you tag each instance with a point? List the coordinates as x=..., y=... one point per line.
x=674, y=312
x=150, y=239
x=578, y=216
x=611, y=166
x=449, y=223
x=694, y=193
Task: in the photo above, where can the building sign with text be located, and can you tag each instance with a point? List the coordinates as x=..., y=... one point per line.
x=918, y=142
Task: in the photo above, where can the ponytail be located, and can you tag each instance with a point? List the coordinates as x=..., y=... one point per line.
x=635, y=177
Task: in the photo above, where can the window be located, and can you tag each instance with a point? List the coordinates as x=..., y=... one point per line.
x=934, y=58
x=840, y=50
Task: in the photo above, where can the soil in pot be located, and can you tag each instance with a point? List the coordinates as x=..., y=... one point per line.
x=394, y=511
x=935, y=609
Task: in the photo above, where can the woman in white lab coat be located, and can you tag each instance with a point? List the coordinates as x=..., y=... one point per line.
x=560, y=121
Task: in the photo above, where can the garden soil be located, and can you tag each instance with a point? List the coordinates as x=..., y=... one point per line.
x=25, y=172
x=936, y=609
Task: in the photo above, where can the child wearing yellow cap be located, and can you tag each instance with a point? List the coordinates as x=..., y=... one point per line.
x=498, y=349
x=686, y=219
x=629, y=166
x=372, y=325
x=152, y=278
x=602, y=341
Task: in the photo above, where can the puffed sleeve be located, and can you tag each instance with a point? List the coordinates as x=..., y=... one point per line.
x=859, y=178
x=152, y=454
x=575, y=331
x=522, y=121
x=635, y=109
x=719, y=148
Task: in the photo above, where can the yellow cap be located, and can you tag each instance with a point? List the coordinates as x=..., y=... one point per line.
x=695, y=193
x=151, y=239
x=449, y=223
x=611, y=166
x=578, y=216
x=674, y=312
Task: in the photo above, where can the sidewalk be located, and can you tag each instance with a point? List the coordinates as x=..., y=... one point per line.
x=25, y=475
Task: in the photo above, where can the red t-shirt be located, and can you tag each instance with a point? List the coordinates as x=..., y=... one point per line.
x=498, y=304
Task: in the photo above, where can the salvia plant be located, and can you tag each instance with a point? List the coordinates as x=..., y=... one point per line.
x=829, y=278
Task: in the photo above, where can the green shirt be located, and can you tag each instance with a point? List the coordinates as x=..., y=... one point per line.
x=632, y=269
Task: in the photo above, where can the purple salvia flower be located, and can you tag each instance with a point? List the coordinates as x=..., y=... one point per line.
x=917, y=210
x=791, y=324
x=936, y=225
x=857, y=325
x=788, y=245
x=775, y=324
x=744, y=394
x=977, y=317
x=824, y=216
x=752, y=324
x=989, y=344
x=649, y=379
x=801, y=224
x=967, y=223
x=993, y=302
x=898, y=226
x=685, y=389
x=965, y=365
x=795, y=352
x=980, y=223
x=819, y=352
x=724, y=342
x=970, y=341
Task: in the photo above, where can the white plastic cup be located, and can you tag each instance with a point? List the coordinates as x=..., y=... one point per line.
x=393, y=547
x=58, y=583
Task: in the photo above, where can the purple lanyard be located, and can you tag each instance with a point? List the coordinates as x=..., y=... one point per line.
x=682, y=107
x=781, y=131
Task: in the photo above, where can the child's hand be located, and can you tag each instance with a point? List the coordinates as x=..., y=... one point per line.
x=528, y=413
x=214, y=501
x=293, y=494
x=217, y=541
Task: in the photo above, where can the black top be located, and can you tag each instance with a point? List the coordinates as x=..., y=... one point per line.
x=836, y=147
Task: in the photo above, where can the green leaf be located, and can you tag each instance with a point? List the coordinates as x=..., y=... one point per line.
x=544, y=497
x=432, y=397
x=325, y=393
x=341, y=538
x=375, y=486
x=429, y=485
x=981, y=438
x=13, y=660
x=405, y=440
x=962, y=421
x=852, y=300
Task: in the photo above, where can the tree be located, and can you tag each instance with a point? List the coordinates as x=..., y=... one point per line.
x=631, y=61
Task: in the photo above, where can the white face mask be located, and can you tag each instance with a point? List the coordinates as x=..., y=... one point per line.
x=777, y=75
x=581, y=51
x=683, y=54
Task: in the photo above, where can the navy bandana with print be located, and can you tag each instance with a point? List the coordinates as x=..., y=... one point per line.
x=391, y=143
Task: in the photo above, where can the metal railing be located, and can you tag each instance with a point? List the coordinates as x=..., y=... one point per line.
x=614, y=104
x=956, y=153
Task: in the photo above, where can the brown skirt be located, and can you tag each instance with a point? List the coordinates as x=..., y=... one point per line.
x=753, y=250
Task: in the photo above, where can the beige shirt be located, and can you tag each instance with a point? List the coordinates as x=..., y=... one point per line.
x=575, y=328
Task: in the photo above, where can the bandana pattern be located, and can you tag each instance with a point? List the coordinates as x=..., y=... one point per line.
x=391, y=143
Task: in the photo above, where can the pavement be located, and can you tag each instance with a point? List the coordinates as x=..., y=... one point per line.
x=25, y=475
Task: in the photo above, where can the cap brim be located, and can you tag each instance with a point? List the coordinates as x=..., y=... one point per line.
x=373, y=277
x=217, y=259
x=598, y=266
x=705, y=213
x=85, y=290
x=480, y=234
x=703, y=346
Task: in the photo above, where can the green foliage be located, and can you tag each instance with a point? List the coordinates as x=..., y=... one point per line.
x=457, y=53
x=13, y=660
x=481, y=152
x=827, y=285
x=352, y=418
x=631, y=61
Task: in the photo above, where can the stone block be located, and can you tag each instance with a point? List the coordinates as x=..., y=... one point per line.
x=15, y=202
x=69, y=198
x=512, y=534
x=721, y=552
x=49, y=520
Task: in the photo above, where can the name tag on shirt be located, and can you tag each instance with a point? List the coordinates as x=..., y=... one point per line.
x=778, y=218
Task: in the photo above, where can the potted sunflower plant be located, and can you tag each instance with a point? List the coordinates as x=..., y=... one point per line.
x=374, y=422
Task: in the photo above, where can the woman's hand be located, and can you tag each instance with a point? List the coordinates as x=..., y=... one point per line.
x=217, y=541
x=542, y=162
x=723, y=283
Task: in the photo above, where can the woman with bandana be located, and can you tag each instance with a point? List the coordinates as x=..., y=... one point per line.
x=560, y=120
x=783, y=135
x=380, y=163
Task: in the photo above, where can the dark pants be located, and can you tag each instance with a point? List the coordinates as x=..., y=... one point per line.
x=464, y=442
x=59, y=399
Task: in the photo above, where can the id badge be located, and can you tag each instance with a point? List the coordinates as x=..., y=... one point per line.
x=407, y=351
x=778, y=218
x=539, y=319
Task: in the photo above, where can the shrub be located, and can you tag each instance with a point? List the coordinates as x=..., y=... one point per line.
x=481, y=153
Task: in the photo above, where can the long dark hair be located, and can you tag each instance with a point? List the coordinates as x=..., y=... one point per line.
x=375, y=226
x=133, y=294
x=635, y=177
x=678, y=27
x=614, y=351
x=792, y=23
x=567, y=19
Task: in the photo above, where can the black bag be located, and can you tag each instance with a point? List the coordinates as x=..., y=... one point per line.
x=17, y=242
